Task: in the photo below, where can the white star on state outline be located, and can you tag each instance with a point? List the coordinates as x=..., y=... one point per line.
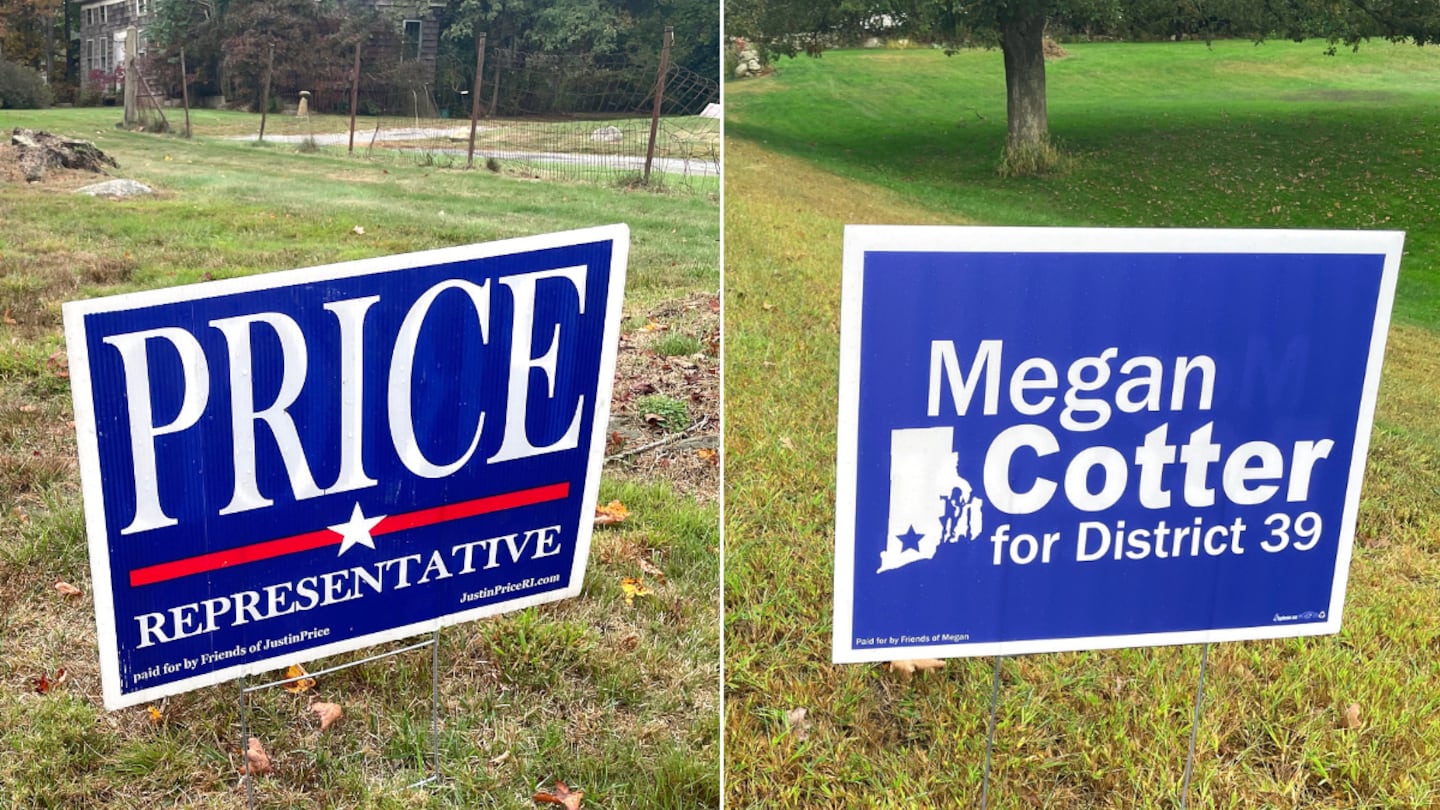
x=356, y=531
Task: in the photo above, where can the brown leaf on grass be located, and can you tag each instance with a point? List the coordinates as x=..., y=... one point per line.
x=654, y=419
x=909, y=666
x=613, y=512
x=59, y=363
x=44, y=684
x=629, y=641
x=9, y=321
x=799, y=724
x=66, y=589
x=633, y=587
x=706, y=454
x=328, y=712
x=302, y=685
x=255, y=756
x=1352, y=716
x=652, y=569
x=562, y=795
x=358, y=230
x=497, y=761
x=154, y=714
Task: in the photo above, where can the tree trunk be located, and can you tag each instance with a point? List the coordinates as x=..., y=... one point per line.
x=1023, y=44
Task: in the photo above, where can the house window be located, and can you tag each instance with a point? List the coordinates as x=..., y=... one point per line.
x=87, y=56
x=142, y=7
x=410, y=44
x=104, y=13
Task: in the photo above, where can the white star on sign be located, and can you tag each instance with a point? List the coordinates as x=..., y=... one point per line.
x=356, y=531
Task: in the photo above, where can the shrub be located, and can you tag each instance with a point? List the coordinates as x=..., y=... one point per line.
x=22, y=88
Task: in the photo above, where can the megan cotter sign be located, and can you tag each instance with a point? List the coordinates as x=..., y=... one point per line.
x=1056, y=439
x=291, y=465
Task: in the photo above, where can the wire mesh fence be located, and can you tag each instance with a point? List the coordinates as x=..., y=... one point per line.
x=555, y=116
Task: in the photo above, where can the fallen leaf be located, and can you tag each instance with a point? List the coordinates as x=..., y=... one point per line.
x=44, y=683
x=27, y=409
x=562, y=795
x=302, y=685
x=908, y=667
x=767, y=306
x=1352, y=716
x=706, y=454
x=66, y=589
x=613, y=512
x=59, y=363
x=9, y=321
x=358, y=231
x=629, y=641
x=787, y=443
x=798, y=723
x=155, y=714
x=497, y=761
x=652, y=326
x=256, y=758
x=654, y=419
x=633, y=587
x=328, y=712
x=652, y=569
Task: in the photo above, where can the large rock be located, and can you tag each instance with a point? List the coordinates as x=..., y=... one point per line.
x=749, y=64
x=607, y=135
x=116, y=188
x=41, y=151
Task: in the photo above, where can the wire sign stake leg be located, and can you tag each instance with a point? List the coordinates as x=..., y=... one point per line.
x=990, y=735
x=1195, y=726
x=434, y=710
x=245, y=744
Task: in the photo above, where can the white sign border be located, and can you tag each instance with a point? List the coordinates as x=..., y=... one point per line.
x=863, y=239
x=89, y=457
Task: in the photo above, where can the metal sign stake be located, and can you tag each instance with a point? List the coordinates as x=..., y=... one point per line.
x=433, y=643
x=1195, y=725
x=990, y=736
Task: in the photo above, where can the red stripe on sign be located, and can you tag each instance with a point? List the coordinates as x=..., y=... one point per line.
x=320, y=538
x=479, y=506
x=216, y=560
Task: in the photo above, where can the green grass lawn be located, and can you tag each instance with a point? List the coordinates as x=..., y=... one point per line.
x=617, y=699
x=1173, y=134
x=1276, y=135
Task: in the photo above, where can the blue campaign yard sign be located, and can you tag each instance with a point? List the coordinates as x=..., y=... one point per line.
x=1060, y=439
x=292, y=465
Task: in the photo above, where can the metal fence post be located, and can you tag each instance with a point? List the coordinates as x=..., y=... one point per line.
x=475, y=98
x=354, y=94
x=185, y=91
x=659, y=98
x=265, y=98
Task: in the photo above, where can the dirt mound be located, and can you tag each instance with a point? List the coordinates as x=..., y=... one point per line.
x=33, y=156
x=1053, y=50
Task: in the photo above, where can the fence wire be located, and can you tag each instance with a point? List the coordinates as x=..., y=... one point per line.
x=571, y=116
